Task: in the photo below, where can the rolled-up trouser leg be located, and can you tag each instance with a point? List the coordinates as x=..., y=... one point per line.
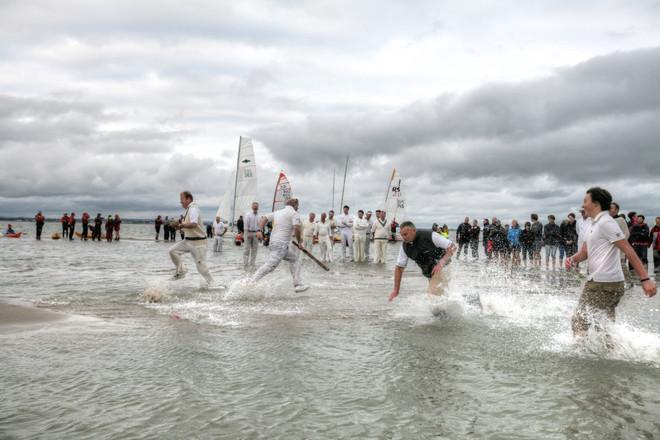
x=278, y=250
x=198, y=252
x=176, y=252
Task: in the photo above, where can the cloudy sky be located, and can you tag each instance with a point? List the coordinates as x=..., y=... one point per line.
x=486, y=108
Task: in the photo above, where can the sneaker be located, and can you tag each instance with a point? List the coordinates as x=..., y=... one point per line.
x=301, y=287
x=180, y=275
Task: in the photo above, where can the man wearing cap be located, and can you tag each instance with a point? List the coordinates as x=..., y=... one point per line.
x=194, y=241
x=286, y=222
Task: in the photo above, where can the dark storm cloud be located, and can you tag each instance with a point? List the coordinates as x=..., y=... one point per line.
x=584, y=120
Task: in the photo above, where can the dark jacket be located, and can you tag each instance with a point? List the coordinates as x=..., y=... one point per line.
x=526, y=238
x=640, y=235
x=463, y=233
x=568, y=232
x=551, y=235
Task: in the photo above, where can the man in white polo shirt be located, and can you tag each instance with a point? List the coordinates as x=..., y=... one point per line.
x=605, y=283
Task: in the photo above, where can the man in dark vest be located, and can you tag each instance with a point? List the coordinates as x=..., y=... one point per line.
x=430, y=250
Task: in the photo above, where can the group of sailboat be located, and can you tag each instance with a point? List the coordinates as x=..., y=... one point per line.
x=242, y=189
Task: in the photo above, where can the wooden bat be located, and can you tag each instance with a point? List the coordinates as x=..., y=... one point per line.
x=306, y=252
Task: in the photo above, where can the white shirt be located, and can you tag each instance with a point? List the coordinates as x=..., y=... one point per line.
x=603, y=258
x=438, y=241
x=381, y=231
x=283, y=222
x=308, y=228
x=193, y=213
x=322, y=230
x=251, y=222
x=360, y=226
x=219, y=228
x=345, y=221
x=582, y=226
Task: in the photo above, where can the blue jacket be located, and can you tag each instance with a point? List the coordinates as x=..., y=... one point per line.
x=514, y=236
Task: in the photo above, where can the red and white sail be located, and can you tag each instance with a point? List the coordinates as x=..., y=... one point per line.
x=283, y=191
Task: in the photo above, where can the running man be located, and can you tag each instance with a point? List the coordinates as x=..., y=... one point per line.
x=605, y=282
x=285, y=222
x=194, y=241
x=430, y=250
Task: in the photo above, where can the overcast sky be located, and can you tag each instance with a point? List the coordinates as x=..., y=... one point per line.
x=486, y=108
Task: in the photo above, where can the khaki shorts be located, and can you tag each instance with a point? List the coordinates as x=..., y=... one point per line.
x=597, y=298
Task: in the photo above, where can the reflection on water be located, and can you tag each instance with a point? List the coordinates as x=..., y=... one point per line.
x=337, y=361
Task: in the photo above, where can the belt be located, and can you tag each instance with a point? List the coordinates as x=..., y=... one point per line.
x=194, y=238
x=255, y=231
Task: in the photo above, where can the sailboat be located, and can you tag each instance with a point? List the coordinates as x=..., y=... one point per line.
x=242, y=187
x=283, y=191
x=395, y=202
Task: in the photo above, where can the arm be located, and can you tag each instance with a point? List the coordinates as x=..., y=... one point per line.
x=298, y=235
x=262, y=225
x=443, y=261
x=580, y=256
x=648, y=286
x=398, y=274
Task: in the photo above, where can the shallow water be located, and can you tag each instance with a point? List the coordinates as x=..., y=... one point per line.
x=337, y=361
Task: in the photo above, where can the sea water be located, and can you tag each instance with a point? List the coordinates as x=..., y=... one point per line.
x=336, y=361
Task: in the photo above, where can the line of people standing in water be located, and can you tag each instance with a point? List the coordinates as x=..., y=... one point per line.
x=90, y=228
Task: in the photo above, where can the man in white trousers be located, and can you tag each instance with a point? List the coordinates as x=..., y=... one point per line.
x=323, y=233
x=194, y=241
x=219, y=230
x=345, y=224
x=309, y=227
x=285, y=222
x=360, y=229
x=251, y=227
x=381, y=231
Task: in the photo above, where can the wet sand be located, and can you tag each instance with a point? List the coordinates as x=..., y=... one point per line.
x=16, y=317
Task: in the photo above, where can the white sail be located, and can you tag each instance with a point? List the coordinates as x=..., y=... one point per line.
x=242, y=188
x=283, y=192
x=395, y=202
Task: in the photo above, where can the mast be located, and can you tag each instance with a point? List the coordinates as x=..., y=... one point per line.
x=389, y=185
x=333, y=189
x=343, y=187
x=233, y=204
x=275, y=193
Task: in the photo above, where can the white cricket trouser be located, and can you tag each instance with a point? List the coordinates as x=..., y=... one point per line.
x=366, y=247
x=326, y=248
x=217, y=244
x=381, y=248
x=346, y=241
x=281, y=251
x=251, y=247
x=196, y=248
x=359, y=242
x=308, y=242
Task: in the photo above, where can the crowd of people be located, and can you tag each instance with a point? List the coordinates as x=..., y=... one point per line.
x=519, y=245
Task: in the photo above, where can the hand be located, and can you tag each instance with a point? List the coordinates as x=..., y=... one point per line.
x=649, y=287
x=438, y=267
x=260, y=236
x=569, y=263
x=393, y=295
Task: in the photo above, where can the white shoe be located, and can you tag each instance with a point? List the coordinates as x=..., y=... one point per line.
x=300, y=288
